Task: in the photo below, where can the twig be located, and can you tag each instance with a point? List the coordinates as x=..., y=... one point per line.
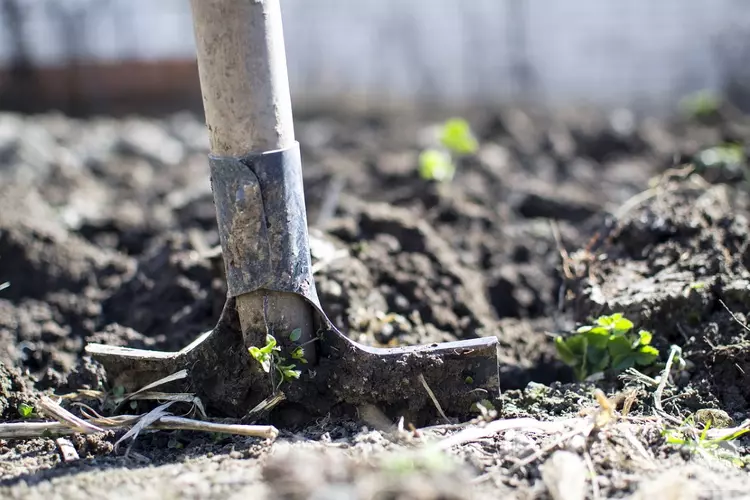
x=267, y=404
x=595, y=493
x=634, y=201
x=26, y=430
x=584, y=431
x=474, y=434
x=187, y=424
x=63, y=416
x=5, y=285
x=164, y=380
x=434, y=399
x=147, y=419
x=87, y=393
x=184, y=397
x=659, y=393
x=564, y=255
x=734, y=317
x=637, y=445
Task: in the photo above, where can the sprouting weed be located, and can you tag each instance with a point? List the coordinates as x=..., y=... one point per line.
x=269, y=357
x=455, y=139
x=25, y=410
x=717, y=447
x=299, y=355
x=609, y=343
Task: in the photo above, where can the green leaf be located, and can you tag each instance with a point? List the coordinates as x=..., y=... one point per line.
x=270, y=345
x=295, y=335
x=597, y=337
x=566, y=355
x=264, y=358
x=623, y=361
x=646, y=355
x=619, y=346
x=299, y=354
x=608, y=321
x=700, y=104
x=577, y=344
x=118, y=391
x=288, y=372
x=644, y=337
x=598, y=359
x=622, y=325
x=25, y=410
x=456, y=135
x=436, y=165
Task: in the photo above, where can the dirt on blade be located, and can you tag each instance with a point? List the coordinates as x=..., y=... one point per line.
x=108, y=235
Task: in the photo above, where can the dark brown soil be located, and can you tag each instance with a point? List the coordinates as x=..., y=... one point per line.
x=106, y=231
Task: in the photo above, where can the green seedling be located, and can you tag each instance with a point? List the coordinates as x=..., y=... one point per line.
x=608, y=344
x=299, y=355
x=265, y=355
x=269, y=357
x=719, y=447
x=295, y=335
x=25, y=410
x=702, y=104
x=436, y=165
x=456, y=139
x=456, y=136
x=729, y=156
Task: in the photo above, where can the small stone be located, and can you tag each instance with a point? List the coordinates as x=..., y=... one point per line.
x=716, y=418
x=67, y=450
x=564, y=474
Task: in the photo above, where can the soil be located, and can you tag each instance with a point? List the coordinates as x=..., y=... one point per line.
x=108, y=231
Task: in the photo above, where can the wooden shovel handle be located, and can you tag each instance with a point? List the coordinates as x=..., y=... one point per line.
x=243, y=75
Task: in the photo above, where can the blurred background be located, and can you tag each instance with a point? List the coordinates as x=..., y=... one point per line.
x=137, y=56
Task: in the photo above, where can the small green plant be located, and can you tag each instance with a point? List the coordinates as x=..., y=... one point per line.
x=295, y=334
x=717, y=447
x=702, y=104
x=436, y=165
x=455, y=138
x=25, y=410
x=728, y=155
x=269, y=357
x=299, y=354
x=722, y=163
x=607, y=344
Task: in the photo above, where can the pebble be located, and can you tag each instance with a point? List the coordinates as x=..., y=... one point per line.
x=564, y=474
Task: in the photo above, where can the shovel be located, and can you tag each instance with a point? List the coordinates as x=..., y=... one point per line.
x=273, y=337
